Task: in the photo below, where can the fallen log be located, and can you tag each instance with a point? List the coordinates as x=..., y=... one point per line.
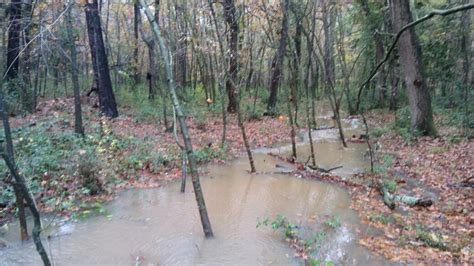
x=387, y=198
x=390, y=199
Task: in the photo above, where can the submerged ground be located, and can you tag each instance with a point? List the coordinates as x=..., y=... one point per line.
x=138, y=153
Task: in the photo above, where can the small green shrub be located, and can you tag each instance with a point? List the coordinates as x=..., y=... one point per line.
x=431, y=239
x=333, y=222
x=380, y=218
x=207, y=154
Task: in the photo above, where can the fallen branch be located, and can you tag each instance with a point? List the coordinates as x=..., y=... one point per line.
x=323, y=128
x=399, y=34
x=322, y=170
x=390, y=199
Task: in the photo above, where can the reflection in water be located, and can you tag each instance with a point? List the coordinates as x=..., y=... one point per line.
x=161, y=226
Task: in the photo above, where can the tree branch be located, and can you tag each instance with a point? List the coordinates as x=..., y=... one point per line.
x=399, y=34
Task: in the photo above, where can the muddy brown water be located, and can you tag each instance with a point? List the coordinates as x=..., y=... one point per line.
x=162, y=226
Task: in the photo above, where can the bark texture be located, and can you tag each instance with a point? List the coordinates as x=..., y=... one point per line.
x=277, y=63
x=412, y=69
x=99, y=61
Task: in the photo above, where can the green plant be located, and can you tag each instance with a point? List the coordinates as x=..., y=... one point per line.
x=280, y=222
x=391, y=185
x=207, y=154
x=380, y=218
x=333, y=222
x=431, y=239
x=318, y=262
x=386, y=161
x=316, y=241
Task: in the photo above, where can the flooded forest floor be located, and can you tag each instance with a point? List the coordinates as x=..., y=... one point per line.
x=73, y=178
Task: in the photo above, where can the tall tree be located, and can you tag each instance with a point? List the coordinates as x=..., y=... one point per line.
x=13, y=49
x=75, y=79
x=379, y=51
x=206, y=223
x=232, y=58
x=232, y=22
x=277, y=63
x=21, y=187
x=136, y=22
x=329, y=65
x=99, y=61
x=181, y=42
x=412, y=69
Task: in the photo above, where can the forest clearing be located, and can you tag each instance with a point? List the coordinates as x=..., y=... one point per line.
x=236, y=132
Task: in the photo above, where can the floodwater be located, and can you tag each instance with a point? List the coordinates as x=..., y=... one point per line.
x=162, y=226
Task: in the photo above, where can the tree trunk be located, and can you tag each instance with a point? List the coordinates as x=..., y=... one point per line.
x=379, y=54
x=153, y=74
x=75, y=80
x=206, y=224
x=231, y=20
x=329, y=67
x=277, y=63
x=13, y=49
x=21, y=186
x=99, y=61
x=20, y=204
x=412, y=69
x=136, y=22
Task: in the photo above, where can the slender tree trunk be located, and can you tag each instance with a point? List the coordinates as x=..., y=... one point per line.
x=292, y=128
x=329, y=67
x=296, y=68
x=277, y=63
x=379, y=54
x=21, y=185
x=99, y=61
x=152, y=72
x=136, y=22
x=412, y=69
x=233, y=91
x=13, y=49
x=231, y=20
x=78, y=128
x=181, y=44
x=206, y=224
x=20, y=204
x=221, y=87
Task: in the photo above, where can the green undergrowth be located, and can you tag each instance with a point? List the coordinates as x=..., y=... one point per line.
x=308, y=246
x=62, y=168
x=453, y=124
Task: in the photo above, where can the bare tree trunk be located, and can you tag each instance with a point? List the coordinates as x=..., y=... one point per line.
x=229, y=11
x=20, y=204
x=78, y=128
x=412, y=68
x=136, y=22
x=329, y=67
x=277, y=63
x=231, y=20
x=221, y=87
x=21, y=185
x=181, y=43
x=99, y=61
x=379, y=54
x=206, y=224
x=13, y=49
